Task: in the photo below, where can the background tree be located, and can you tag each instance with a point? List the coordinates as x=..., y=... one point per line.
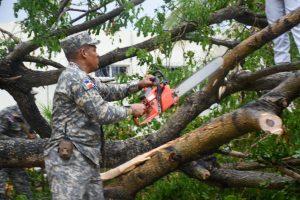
x=229, y=148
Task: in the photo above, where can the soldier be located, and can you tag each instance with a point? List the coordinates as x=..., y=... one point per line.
x=275, y=9
x=80, y=106
x=13, y=125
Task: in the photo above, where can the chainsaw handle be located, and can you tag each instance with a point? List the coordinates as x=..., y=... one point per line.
x=157, y=74
x=148, y=115
x=136, y=121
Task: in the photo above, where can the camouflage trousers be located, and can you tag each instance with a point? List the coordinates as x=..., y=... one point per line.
x=73, y=179
x=19, y=178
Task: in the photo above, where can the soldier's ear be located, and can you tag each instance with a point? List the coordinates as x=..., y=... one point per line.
x=83, y=52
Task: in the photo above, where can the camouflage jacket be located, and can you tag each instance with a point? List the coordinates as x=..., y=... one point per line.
x=12, y=123
x=80, y=105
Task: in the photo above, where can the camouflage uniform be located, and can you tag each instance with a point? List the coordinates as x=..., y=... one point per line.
x=13, y=125
x=80, y=106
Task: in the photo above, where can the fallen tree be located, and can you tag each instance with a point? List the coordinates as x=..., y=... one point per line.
x=259, y=115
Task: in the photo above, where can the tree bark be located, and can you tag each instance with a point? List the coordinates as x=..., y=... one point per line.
x=208, y=172
x=19, y=152
x=252, y=179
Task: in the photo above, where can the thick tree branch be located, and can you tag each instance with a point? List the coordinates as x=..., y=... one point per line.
x=34, y=78
x=263, y=79
x=226, y=43
x=242, y=166
x=253, y=76
x=219, y=42
x=43, y=61
x=21, y=153
x=12, y=36
x=204, y=171
x=241, y=14
x=246, y=17
x=252, y=179
x=289, y=173
x=261, y=84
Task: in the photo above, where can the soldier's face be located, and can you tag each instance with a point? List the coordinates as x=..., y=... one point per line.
x=92, y=60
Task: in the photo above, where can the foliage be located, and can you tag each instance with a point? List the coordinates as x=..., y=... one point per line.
x=39, y=184
x=6, y=45
x=178, y=186
x=47, y=112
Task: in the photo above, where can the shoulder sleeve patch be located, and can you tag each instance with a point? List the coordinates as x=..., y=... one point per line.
x=88, y=84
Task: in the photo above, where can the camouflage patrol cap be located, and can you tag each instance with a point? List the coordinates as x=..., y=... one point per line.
x=73, y=42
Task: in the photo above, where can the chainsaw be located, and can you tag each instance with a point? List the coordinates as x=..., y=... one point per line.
x=160, y=97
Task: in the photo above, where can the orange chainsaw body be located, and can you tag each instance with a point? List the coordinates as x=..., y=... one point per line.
x=151, y=100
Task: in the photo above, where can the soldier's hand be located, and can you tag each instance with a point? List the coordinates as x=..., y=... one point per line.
x=138, y=109
x=146, y=82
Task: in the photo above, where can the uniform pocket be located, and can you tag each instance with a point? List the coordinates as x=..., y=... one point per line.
x=65, y=149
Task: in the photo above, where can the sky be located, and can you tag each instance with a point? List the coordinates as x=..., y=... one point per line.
x=7, y=14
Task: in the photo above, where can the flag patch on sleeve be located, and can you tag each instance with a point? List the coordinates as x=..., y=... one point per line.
x=88, y=84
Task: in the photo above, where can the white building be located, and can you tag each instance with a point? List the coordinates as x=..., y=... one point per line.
x=108, y=43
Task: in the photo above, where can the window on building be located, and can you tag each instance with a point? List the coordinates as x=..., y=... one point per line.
x=111, y=71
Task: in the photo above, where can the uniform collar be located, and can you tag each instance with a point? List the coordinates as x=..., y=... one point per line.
x=75, y=65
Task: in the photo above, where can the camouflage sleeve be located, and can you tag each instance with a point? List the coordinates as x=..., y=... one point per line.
x=114, y=92
x=94, y=105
